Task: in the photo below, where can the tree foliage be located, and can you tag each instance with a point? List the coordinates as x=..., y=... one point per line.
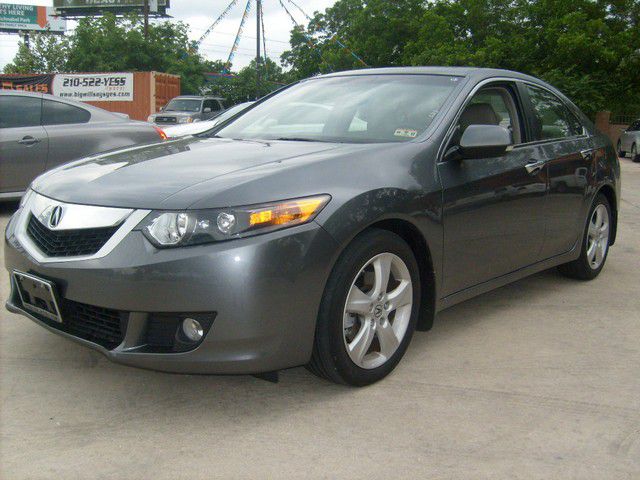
x=48, y=53
x=590, y=49
x=109, y=43
x=242, y=86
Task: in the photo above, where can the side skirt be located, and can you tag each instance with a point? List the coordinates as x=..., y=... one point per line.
x=467, y=293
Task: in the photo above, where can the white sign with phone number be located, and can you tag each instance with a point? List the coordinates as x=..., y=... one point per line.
x=94, y=87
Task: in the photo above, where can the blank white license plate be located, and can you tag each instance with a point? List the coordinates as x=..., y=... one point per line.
x=38, y=295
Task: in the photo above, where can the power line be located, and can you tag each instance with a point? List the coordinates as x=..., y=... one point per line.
x=239, y=48
x=246, y=36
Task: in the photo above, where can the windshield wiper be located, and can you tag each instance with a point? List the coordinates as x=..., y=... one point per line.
x=297, y=139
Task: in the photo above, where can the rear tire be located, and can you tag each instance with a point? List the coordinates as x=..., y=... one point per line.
x=365, y=323
x=634, y=153
x=595, y=244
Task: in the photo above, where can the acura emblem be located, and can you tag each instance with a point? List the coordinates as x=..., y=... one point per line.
x=55, y=217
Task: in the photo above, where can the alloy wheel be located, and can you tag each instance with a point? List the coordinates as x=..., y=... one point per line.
x=377, y=311
x=598, y=236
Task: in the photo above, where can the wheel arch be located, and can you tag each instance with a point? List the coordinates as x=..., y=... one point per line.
x=610, y=194
x=420, y=248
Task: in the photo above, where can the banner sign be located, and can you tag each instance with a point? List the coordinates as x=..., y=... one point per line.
x=28, y=83
x=88, y=7
x=94, y=87
x=14, y=18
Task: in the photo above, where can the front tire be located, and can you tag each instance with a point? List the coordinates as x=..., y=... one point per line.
x=634, y=153
x=368, y=311
x=595, y=245
x=621, y=153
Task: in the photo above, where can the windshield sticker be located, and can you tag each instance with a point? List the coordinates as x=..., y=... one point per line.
x=406, y=132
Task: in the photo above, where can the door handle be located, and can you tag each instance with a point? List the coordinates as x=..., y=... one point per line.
x=535, y=166
x=28, y=141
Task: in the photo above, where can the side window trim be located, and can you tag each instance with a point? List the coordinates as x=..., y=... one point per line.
x=39, y=99
x=489, y=82
x=74, y=107
x=530, y=113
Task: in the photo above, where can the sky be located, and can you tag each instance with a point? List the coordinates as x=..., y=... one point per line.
x=199, y=14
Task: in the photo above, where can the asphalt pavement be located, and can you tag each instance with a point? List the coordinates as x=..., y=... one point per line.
x=536, y=380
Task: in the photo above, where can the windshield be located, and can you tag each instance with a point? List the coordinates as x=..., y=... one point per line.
x=183, y=105
x=230, y=112
x=353, y=109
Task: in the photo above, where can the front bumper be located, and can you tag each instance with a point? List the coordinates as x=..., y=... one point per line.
x=265, y=292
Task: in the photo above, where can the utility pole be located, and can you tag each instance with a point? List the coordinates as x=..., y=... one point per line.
x=258, y=22
x=146, y=19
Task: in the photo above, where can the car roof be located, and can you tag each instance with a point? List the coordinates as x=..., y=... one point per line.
x=477, y=72
x=97, y=113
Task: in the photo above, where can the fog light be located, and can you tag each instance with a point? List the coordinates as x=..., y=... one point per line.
x=192, y=329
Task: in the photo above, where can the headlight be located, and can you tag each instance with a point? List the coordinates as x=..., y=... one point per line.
x=172, y=229
x=185, y=119
x=150, y=119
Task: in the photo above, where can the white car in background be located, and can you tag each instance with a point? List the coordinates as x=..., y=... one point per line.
x=184, y=130
x=629, y=142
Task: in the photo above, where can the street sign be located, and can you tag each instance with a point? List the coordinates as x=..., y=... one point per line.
x=97, y=7
x=25, y=18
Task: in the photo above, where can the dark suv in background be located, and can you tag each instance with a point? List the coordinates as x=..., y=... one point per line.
x=187, y=109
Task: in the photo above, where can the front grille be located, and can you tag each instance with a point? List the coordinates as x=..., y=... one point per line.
x=68, y=243
x=99, y=325
x=166, y=120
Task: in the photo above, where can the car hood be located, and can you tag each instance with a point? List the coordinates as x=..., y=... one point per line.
x=150, y=176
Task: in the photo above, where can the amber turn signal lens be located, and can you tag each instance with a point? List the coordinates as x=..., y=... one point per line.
x=290, y=212
x=163, y=136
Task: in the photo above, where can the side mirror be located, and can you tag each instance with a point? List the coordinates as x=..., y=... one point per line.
x=484, y=141
x=207, y=110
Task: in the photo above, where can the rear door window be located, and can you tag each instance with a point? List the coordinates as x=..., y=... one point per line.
x=551, y=117
x=18, y=111
x=58, y=113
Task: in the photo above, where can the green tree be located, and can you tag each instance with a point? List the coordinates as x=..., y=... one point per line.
x=375, y=30
x=109, y=43
x=242, y=86
x=590, y=49
x=48, y=53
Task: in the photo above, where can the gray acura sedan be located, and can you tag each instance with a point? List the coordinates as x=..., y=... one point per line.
x=322, y=239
